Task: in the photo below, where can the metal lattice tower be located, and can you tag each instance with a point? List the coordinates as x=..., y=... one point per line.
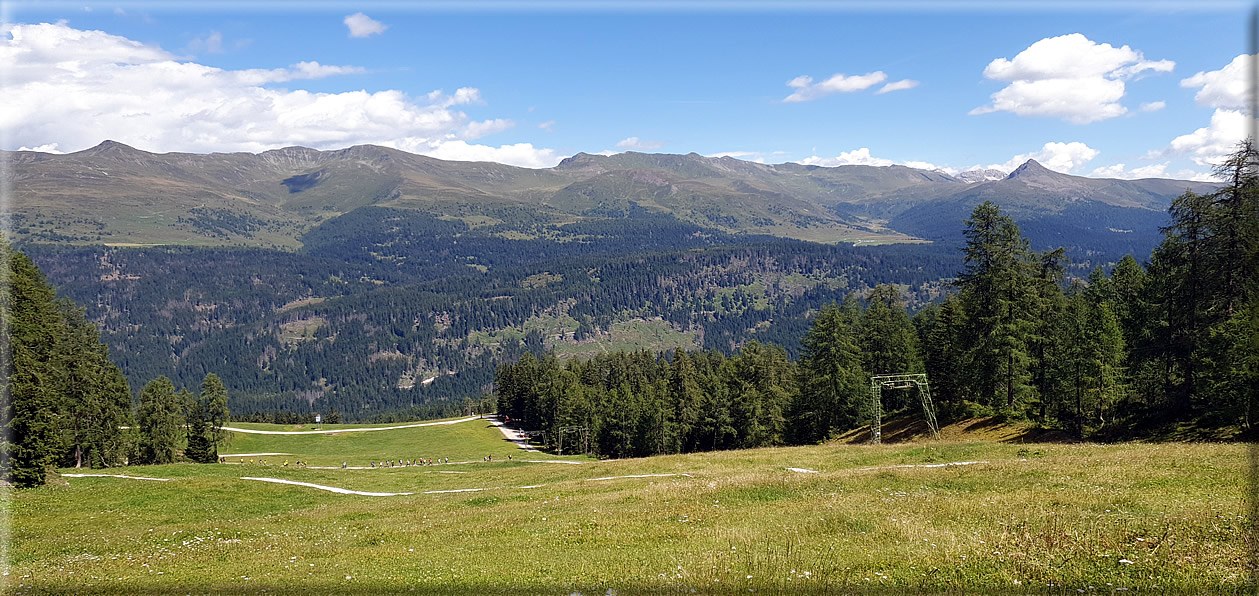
x=900, y=381
x=583, y=437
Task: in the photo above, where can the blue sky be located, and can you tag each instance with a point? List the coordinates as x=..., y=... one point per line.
x=1081, y=91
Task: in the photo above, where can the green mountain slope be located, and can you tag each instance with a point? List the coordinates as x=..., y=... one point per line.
x=117, y=194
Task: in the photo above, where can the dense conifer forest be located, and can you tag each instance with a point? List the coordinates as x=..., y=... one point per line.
x=377, y=300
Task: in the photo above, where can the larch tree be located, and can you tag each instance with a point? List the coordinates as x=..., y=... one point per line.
x=996, y=289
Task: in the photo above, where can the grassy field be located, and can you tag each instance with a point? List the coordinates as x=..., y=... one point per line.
x=465, y=441
x=1026, y=518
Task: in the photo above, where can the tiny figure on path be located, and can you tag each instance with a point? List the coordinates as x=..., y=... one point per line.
x=343, y=465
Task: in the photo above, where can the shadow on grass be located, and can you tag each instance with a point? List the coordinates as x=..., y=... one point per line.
x=908, y=428
x=560, y=589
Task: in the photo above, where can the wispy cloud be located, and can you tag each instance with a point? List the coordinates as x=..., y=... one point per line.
x=897, y=86
x=637, y=144
x=807, y=90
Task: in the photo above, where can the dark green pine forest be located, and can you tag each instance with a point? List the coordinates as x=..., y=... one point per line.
x=653, y=334
x=379, y=300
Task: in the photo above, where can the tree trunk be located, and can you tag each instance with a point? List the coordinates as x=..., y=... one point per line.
x=1009, y=382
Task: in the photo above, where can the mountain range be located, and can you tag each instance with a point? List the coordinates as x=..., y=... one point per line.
x=120, y=195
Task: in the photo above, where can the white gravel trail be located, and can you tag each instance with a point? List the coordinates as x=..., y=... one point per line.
x=635, y=476
x=115, y=476
x=344, y=491
x=520, y=440
x=344, y=430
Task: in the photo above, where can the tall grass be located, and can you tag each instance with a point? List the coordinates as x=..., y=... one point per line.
x=1039, y=518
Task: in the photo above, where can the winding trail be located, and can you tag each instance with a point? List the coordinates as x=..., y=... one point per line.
x=520, y=440
x=115, y=476
x=344, y=430
x=944, y=465
x=802, y=470
x=344, y=491
x=636, y=476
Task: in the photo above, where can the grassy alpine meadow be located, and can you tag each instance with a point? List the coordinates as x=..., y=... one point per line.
x=470, y=440
x=837, y=518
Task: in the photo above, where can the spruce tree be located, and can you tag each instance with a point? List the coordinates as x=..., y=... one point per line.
x=889, y=344
x=832, y=381
x=944, y=351
x=161, y=419
x=213, y=398
x=688, y=399
x=30, y=393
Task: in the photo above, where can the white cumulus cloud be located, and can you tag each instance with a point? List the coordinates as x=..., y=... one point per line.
x=806, y=89
x=637, y=144
x=1059, y=157
x=361, y=25
x=862, y=157
x=1210, y=144
x=856, y=157
x=476, y=130
x=520, y=154
x=1152, y=106
x=1227, y=91
x=49, y=148
x=1069, y=77
x=1158, y=170
x=1227, y=88
x=74, y=88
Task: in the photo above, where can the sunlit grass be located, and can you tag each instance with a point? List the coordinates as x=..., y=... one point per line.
x=1148, y=517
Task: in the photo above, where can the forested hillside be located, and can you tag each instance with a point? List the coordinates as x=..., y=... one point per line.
x=1126, y=351
x=391, y=309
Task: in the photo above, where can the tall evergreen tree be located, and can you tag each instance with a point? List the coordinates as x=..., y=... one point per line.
x=832, y=381
x=944, y=351
x=688, y=399
x=161, y=420
x=996, y=290
x=888, y=340
x=213, y=398
x=95, y=399
x=29, y=412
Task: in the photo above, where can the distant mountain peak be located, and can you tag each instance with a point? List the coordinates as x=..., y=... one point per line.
x=981, y=175
x=577, y=160
x=1031, y=169
x=111, y=148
